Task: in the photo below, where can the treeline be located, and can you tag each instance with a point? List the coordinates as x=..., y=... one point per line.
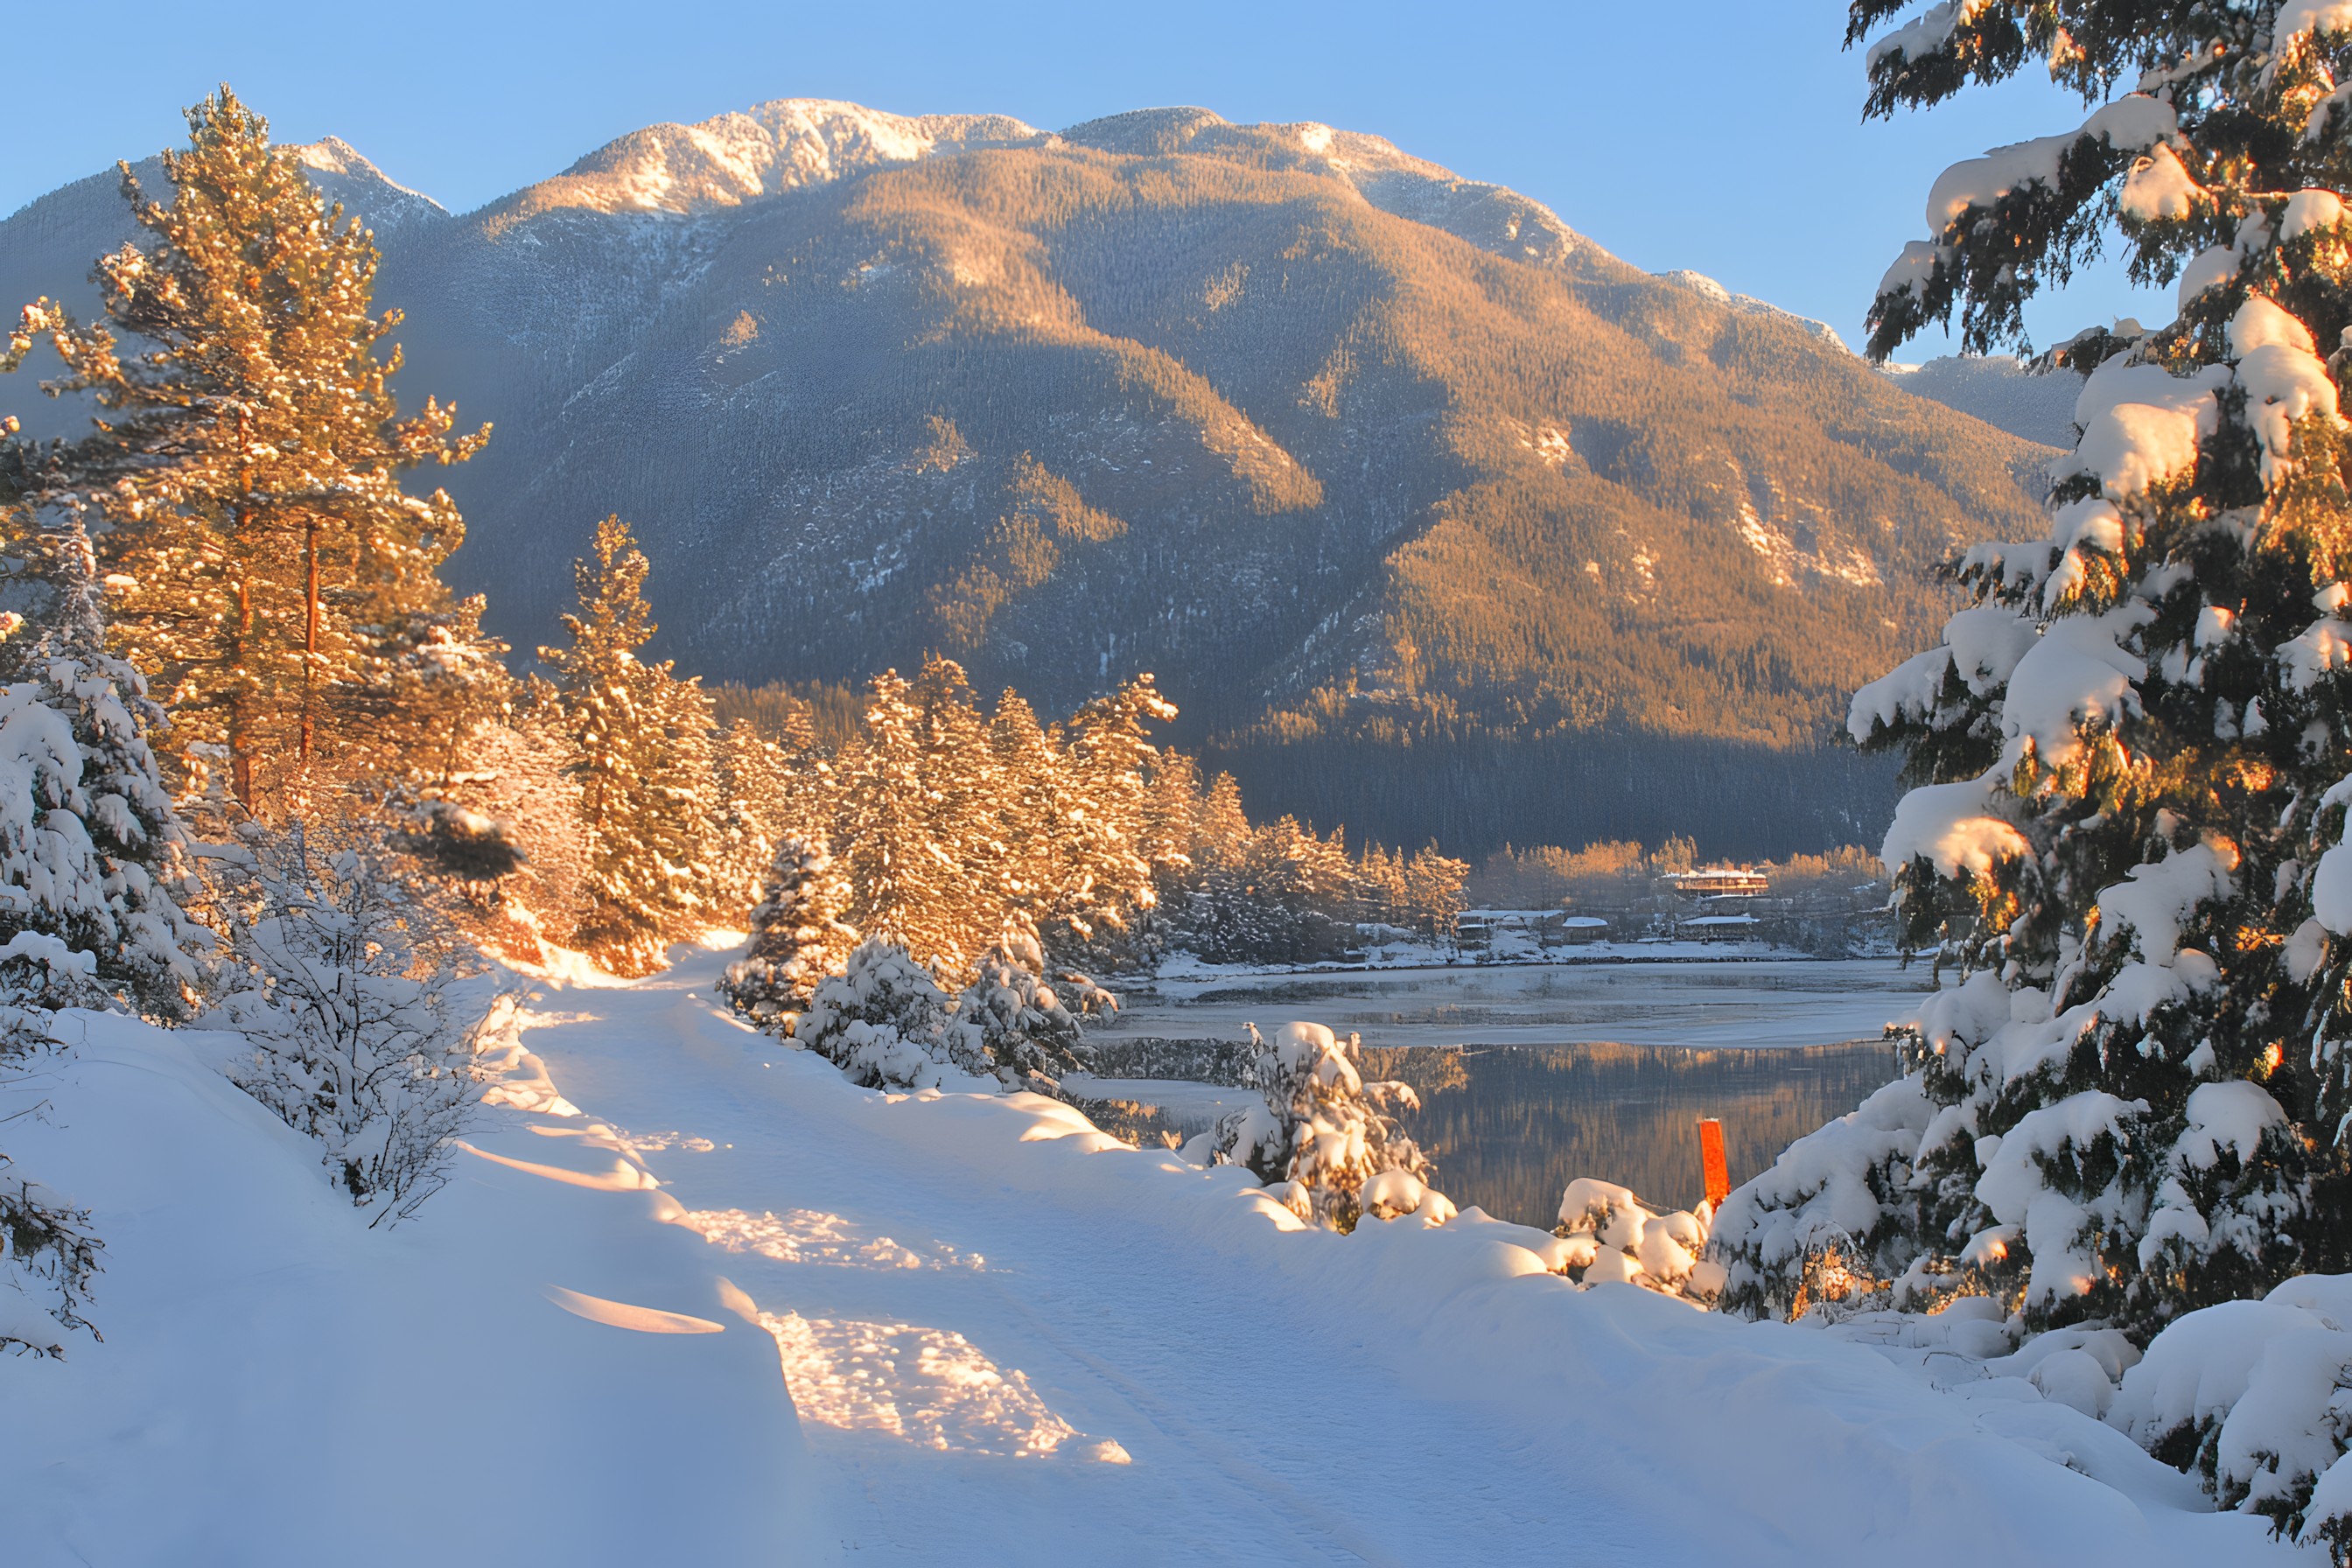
x=953, y=832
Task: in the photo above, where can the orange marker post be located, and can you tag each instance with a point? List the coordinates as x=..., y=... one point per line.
x=1717, y=1170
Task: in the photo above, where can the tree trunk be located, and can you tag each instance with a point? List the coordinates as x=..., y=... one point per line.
x=309, y=635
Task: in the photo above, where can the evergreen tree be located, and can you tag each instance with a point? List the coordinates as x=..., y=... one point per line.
x=1025, y=1027
x=797, y=937
x=1109, y=763
x=1431, y=897
x=753, y=791
x=2130, y=1103
x=248, y=458
x=962, y=821
x=429, y=699
x=642, y=758
x=1324, y=1131
x=503, y=834
x=91, y=846
x=1170, y=817
x=903, y=885
x=1032, y=800
x=887, y=1023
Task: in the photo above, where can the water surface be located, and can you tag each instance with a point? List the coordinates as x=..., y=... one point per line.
x=1531, y=1076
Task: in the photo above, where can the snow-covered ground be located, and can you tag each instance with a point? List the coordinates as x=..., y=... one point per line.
x=1009, y=1340
x=1746, y=1001
x=279, y=1385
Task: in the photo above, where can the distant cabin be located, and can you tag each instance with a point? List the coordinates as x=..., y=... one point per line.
x=1578, y=929
x=1717, y=927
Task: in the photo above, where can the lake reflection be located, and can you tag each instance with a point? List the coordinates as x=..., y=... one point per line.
x=1523, y=1123
x=1562, y=1070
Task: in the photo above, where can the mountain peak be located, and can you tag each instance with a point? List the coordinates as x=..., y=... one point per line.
x=344, y=174
x=745, y=154
x=1147, y=133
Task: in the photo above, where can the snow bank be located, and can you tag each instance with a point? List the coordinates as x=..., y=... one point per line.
x=1814, y=1449
x=278, y=1384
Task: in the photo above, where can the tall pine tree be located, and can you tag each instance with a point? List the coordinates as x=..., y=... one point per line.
x=247, y=457
x=798, y=937
x=644, y=761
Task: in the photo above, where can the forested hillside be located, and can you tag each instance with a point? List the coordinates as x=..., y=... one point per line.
x=1432, y=516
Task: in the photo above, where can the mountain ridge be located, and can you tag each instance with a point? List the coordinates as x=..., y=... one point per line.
x=1355, y=452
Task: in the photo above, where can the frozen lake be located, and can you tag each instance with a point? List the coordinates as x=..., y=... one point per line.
x=1565, y=1071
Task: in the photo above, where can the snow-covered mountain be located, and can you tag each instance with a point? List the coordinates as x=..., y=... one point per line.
x=1358, y=455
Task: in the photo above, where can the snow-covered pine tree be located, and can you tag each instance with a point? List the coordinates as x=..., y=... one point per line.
x=1296, y=893
x=753, y=789
x=903, y=887
x=1433, y=884
x=1031, y=799
x=1171, y=824
x=358, y=1041
x=962, y=819
x=885, y=1022
x=1379, y=876
x=683, y=800
x=798, y=937
x=2129, y=1103
x=1324, y=1133
x=1025, y=1027
x=1109, y=757
x=1220, y=916
x=421, y=702
x=247, y=461
x=643, y=743
x=500, y=834
x=48, y=1254
x=91, y=847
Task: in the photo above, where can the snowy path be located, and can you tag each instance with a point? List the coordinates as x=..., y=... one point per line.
x=984, y=1309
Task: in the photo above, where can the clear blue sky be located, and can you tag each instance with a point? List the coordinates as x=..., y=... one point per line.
x=1723, y=135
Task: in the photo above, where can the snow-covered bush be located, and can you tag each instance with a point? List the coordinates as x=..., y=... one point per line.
x=1026, y=1031
x=90, y=848
x=1322, y=1133
x=1630, y=1244
x=358, y=1041
x=885, y=1022
x=797, y=937
x=47, y=1252
x=1834, y=1224
x=2255, y=1397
